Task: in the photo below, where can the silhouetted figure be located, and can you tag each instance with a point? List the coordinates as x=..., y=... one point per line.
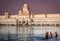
x=56, y=35
x=51, y=35
x=46, y=35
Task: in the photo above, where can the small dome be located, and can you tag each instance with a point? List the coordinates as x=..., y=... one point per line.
x=6, y=13
x=20, y=11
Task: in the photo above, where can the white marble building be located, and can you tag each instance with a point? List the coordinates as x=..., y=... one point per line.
x=25, y=15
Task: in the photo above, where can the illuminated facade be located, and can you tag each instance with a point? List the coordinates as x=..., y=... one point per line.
x=25, y=16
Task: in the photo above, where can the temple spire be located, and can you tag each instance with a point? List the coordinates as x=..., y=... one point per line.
x=25, y=8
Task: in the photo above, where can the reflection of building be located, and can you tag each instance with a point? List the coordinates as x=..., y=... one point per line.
x=25, y=16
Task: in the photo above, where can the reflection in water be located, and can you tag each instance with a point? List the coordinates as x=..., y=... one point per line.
x=27, y=33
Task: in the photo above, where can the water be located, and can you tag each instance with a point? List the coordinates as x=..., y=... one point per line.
x=27, y=33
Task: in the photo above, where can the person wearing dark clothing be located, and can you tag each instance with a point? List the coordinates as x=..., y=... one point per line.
x=56, y=35
x=46, y=35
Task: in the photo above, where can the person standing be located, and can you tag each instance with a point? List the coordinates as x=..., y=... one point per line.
x=46, y=35
x=51, y=35
x=56, y=35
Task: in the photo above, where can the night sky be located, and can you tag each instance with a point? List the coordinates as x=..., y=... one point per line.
x=36, y=6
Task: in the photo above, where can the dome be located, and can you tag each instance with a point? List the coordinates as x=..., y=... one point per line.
x=25, y=5
x=6, y=13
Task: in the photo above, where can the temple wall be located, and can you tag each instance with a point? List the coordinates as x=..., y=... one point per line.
x=48, y=17
x=37, y=19
x=2, y=17
x=53, y=15
x=8, y=21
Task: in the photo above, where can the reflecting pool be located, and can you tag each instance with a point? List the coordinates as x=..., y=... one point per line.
x=28, y=33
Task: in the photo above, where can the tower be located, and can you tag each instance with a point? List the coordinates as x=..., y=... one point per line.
x=25, y=9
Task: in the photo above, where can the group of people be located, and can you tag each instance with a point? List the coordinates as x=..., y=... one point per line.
x=51, y=35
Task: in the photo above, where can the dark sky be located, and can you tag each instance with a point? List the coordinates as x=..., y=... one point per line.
x=37, y=6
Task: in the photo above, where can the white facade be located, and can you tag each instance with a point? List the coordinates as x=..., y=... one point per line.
x=32, y=18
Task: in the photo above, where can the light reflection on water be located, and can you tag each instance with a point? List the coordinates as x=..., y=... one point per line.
x=22, y=32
